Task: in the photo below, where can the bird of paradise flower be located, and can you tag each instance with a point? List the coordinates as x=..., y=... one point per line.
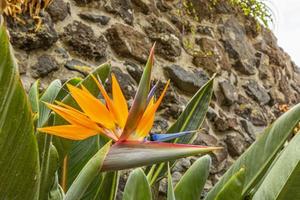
x=129, y=130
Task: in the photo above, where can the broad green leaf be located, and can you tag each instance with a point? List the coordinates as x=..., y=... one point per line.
x=87, y=174
x=80, y=151
x=190, y=119
x=148, y=153
x=63, y=146
x=233, y=188
x=48, y=153
x=283, y=180
x=137, y=186
x=34, y=97
x=56, y=192
x=19, y=164
x=171, y=194
x=108, y=187
x=48, y=96
x=261, y=153
x=192, y=182
x=79, y=155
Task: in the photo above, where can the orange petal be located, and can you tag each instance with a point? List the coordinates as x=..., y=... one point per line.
x=107, y=99
x=68, y=107
x=146, y=123
x=92, y=107
x=74, y=117
x=72, y=132
x=119, y=102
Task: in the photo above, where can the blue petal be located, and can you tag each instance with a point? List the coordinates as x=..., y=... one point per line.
x=152, y=91
x=169, y=136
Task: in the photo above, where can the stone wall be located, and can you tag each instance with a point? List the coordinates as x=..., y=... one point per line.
x=256, y=80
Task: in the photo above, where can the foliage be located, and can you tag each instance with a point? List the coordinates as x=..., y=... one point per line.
x=34, y=165
x=255, y=8
x=57, y=169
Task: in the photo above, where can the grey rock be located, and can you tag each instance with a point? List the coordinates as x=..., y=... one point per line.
x=176, y=176
x=182, y=165
x=121, y=7
x=128, y=42
x=24, y=36
x=249, y=129
x=83, y=2
x=246, y=66
x=218, y=157
x=252, y=113
x=264, y=68
x=238, y=47
x=102, y=19
x=134, y=70
x=182, y=26
x=224, y=123
x=22, y=60
x=163, y=6
x=58, y=10
x=167, y=39
x=172, y=103
x=160, y=126
x=79, y=66
x=81, y=39
x=212, y=56
x=205, y=30
x=235, y=144
x=45, y=65
x=211, y=114
x=276, y=96
x=257, y=92
x=229, y=91
x=186, y=81
x=205, y=140
x=145, y=6
x=163, y=186
x=285, y=88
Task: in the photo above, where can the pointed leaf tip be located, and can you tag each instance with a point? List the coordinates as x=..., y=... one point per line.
x=148, y=153
x=151, y=56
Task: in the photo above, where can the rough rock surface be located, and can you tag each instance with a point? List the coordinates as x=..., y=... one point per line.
x=26, y=38
x=254, y=76
x=82, y=40
x=128, y=42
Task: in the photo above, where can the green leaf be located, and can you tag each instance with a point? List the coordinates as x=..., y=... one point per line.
x=48, y=96
x=109, y=186
x=282, y=181
x=19, y=165
x=79, y=155
x=64, y=90
x=261, y=153
x=63, y=146
x=137, y=186
x=140, y=100
x=48, y=153
x=87, y=174
x=79, y=151
x=171, y=194
x=233, y=188
x=191, y=119
x=192, y=182
x=148, y=153
x=34, y=96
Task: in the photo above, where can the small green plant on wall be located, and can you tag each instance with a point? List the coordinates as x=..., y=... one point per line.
x=186, y=10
